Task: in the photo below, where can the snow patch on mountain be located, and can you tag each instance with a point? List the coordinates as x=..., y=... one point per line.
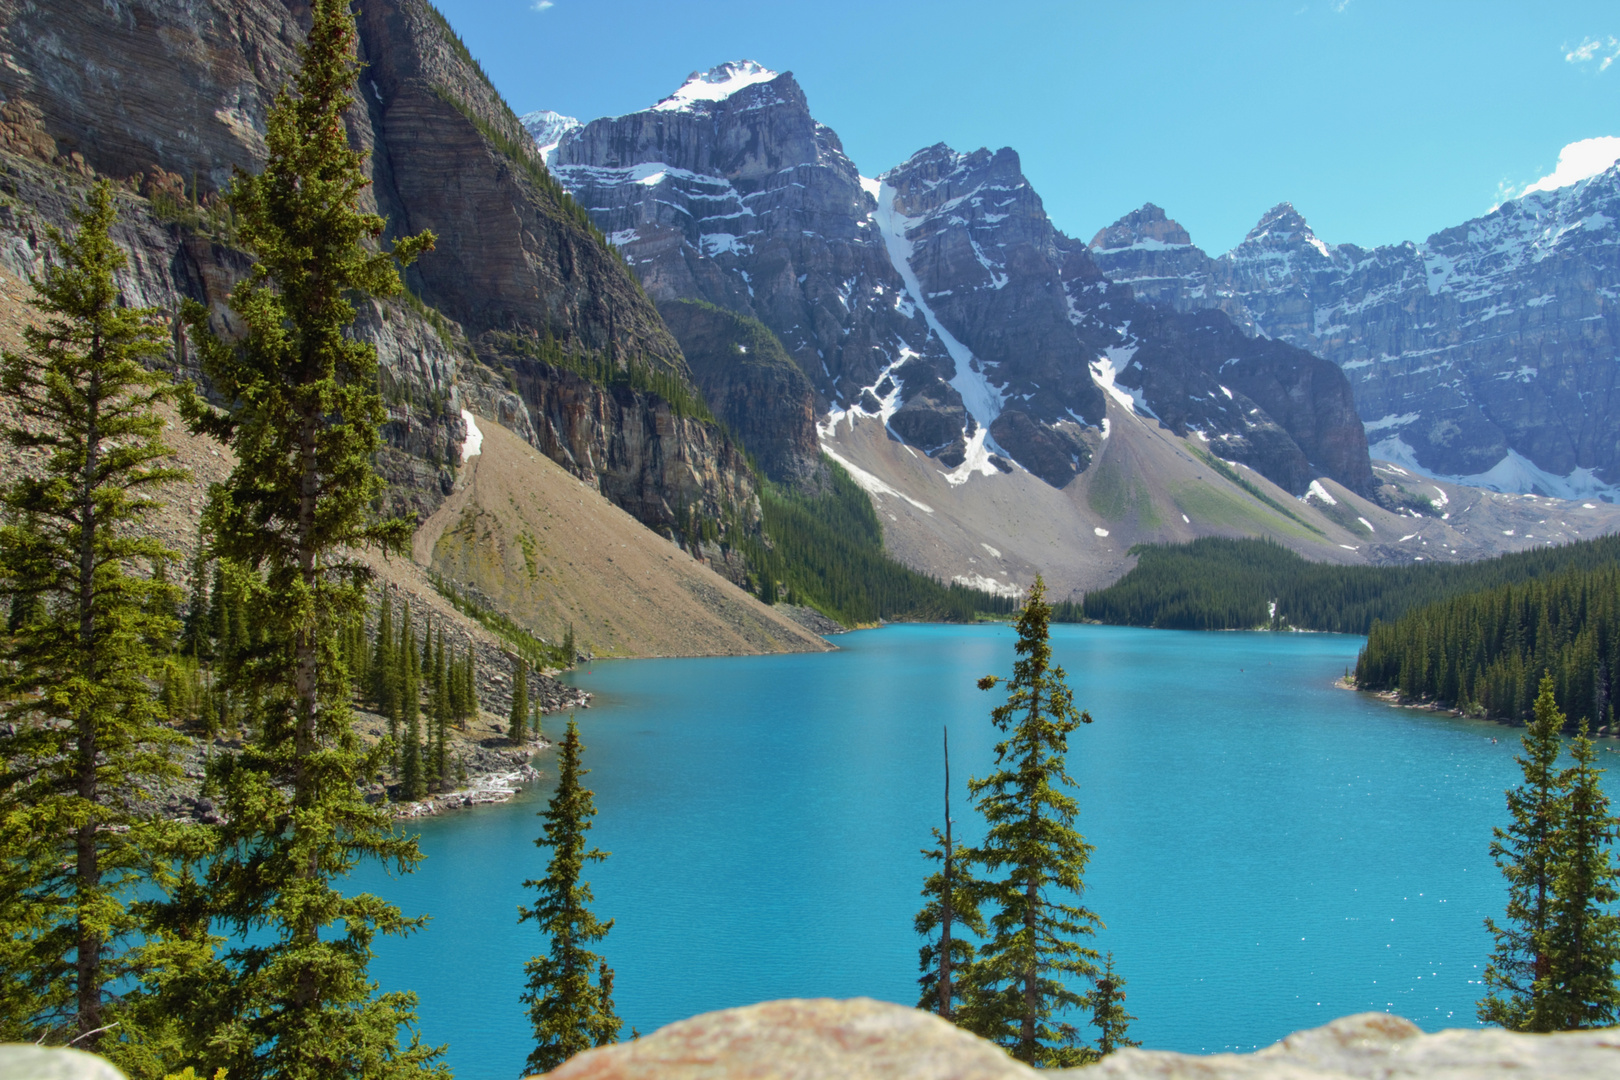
x=716, y=84
x=474, y=443
x=547, y=129
x=869, y=483
x=988, y=584
x=983, y=401
x=1105, y=372
x=1515, y=474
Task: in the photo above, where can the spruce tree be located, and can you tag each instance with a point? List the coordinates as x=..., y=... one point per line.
x=950, y=901
x=517, y=723
x=80, y=667
x=1584, y=936
x=1108, y=1011
x=412, y=776
x=569, y=1013
x=1521, y=962
x=194, y=641
x=303, y=422
x=1032, y=850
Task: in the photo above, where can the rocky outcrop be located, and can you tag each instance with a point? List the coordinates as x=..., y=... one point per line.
x=938, y=297
x=820, y=1039
x=1485, y=353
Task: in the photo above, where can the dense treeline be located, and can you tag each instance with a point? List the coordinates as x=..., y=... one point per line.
x=827, y=551
x=1220, y=584
x=1486, y=652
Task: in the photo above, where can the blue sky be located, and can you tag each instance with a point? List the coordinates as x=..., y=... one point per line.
x=1381, y=120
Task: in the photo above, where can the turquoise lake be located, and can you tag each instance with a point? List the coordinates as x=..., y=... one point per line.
x=1271, y=852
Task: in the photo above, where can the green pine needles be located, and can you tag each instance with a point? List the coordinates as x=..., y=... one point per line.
x=1017, y=983
x=91, y=619
x=303, y=419
x=1554, y=967
x=571, y=1013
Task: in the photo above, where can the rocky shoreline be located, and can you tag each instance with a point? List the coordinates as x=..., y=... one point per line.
x=490, y=768
x=1399, y=701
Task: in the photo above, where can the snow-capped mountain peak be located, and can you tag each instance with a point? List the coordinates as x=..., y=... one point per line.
x=547, y=128
x=716, y=84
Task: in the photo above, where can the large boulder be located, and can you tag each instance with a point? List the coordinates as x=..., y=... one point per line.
x=824, y=1039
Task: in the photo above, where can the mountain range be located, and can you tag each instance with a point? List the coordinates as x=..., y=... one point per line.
x=685, y=304
x=938, y=302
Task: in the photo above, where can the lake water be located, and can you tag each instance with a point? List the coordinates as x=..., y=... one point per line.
x=1271, y=852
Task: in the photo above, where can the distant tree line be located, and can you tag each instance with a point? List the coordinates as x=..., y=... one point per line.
x=1487, y=652
x=1215, y=583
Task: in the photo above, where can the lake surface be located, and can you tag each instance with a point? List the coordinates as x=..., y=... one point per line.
x=1271, y=852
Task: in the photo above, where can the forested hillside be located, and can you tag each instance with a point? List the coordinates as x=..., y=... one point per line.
x=1485, y=652
x=827, y=551
x=1220, y=584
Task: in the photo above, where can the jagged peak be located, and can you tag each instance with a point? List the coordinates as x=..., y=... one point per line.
x=1282, y=225
x=716, y=84
x=547, y=128
x=1148, y=225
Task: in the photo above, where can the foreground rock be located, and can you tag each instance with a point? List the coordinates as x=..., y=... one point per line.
x=20, y=1061
x=824, y=1038
x=799, y=1040
x=1377, y=1045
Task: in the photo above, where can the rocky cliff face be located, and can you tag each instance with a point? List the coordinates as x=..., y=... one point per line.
x=1486, y=353
x=169, y=97
x=752, y=386
x=937, y=297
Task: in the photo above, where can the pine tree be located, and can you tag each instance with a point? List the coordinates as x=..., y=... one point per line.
x=569, y=1013
x=78, y=671
x=950, y=900
x=1108, y=1011
x=303, y=423
x=1520, y=964
x=470, y=681
x=1584, y=936
x=517, y=725
x=1031, y=849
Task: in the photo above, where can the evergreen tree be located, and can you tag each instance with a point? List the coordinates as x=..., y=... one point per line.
x=1584, y=936
x=412, y=776
x=470, y=681
x=1108, y=1011
x=303, y=424
x=1517, y=975
x=194, y=640
x=382, y=661
x=568, y=647
x=949, y=900
x=83, y=721
x=568, y=1012
x=517, y=725
x=1032, y=849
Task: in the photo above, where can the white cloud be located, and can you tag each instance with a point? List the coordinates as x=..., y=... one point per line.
x=1340, y=5
x=1604, y=50
x=1577, y=161
x=541, y=5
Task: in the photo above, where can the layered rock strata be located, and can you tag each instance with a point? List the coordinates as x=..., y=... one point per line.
x=170, y=98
